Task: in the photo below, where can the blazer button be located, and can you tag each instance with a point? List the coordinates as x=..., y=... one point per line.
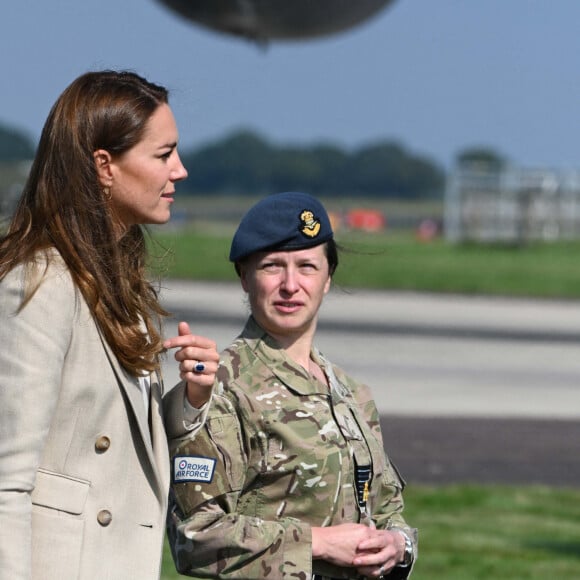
x=102, y=443
x=104, y=517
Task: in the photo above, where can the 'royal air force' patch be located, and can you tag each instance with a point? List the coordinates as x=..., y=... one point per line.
x=189, y=468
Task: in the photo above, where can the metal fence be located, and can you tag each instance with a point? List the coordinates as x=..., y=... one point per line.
x=512, y=205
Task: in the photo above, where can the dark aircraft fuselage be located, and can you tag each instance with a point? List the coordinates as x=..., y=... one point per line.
x=265, y=20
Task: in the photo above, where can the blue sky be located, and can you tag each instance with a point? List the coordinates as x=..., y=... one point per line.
x=436, y=75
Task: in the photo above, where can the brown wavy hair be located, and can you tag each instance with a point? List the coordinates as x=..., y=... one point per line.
x=63, y=207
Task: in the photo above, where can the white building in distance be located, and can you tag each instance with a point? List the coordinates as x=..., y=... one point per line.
x=511, y=205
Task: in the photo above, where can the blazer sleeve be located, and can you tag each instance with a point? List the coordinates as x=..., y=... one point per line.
x=34, y=345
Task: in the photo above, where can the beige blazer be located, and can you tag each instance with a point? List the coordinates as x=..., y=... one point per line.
x=84, y=470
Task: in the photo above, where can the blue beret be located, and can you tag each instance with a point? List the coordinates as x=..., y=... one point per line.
x=283, y=221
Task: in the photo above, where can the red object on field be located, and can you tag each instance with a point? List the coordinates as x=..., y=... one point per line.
x=370, y=220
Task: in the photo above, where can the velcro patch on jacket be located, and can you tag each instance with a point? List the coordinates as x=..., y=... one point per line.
x=189, y=468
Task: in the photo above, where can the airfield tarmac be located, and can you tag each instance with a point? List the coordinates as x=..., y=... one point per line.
x=469, y=388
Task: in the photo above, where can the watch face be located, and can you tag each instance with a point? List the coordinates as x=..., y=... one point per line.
x=408, y=551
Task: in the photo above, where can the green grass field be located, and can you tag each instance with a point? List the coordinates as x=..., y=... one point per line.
x=482, y=532
x=400, y=262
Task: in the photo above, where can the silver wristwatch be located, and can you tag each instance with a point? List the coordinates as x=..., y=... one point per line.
x=408, y=557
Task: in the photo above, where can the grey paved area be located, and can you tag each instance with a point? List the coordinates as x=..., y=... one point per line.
x=469, y=389
x=435, y=450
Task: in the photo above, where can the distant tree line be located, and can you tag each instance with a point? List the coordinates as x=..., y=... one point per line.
x=482, y=159
x=14, y=145
x=246, y=163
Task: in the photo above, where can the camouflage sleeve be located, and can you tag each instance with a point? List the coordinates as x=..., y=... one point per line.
x=387, y=499
x=179, y=420
x=209, y=538
x=388, y=512
x=389, y=504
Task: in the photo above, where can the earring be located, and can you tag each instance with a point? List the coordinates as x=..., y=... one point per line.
x=107, y=193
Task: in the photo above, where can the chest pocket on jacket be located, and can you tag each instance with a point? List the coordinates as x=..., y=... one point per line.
x=299, y=473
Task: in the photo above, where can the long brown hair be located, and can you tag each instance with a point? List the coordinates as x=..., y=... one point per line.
x=63, y=207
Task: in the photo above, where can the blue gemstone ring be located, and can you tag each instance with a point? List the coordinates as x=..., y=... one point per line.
x=199, y=367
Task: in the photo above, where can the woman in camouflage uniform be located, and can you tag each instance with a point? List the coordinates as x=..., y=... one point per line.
x=289, y=478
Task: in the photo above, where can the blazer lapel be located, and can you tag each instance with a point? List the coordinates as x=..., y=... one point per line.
x=158, y=436
x=154, y=440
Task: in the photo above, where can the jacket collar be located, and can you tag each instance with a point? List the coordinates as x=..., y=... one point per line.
x=286, y=370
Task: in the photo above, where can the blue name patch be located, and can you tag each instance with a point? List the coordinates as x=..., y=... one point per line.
x=187, y=468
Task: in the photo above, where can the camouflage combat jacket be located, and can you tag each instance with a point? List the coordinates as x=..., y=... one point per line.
x=277, y=455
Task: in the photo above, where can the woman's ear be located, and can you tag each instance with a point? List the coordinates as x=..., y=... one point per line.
x=328, y=284
x=243, y=279
x=242, y=268
x=103, y=162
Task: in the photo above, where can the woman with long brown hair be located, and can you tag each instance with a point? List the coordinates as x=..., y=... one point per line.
x=83, y=450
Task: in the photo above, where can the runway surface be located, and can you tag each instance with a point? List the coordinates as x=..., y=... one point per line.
x=469, y=389
x=435, y=450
